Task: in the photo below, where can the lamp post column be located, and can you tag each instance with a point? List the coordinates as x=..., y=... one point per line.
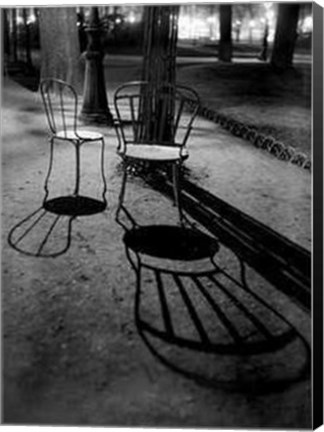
x=95, y=104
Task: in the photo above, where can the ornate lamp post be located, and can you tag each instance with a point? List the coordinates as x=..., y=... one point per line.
x=95, y=104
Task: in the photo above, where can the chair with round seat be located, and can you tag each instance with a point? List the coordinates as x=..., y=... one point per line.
x=153, y=125
x=61, y=107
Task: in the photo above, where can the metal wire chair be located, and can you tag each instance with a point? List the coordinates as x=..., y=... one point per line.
x=61, y=104
x=154, y=125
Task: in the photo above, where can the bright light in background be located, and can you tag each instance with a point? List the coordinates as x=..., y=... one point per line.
x=269, y=10
x=131, y=18
x=194, y=28
x=184, y=27
x=20, y=20
x=307, y=25
x=195, y=25
x=31, y=19
x=270, y=15
x=270, y=19
x=211, y=19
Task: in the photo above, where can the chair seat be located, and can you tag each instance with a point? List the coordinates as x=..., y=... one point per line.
x=186, y=244
x=82, y=134
x=155, y=152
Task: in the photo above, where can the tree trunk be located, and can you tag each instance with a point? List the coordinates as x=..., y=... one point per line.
x=6, y=39
x=159, y=60
x=27, y=38
x=60, y=45
x=285, y=38
x=160, y=41
x=225, y=43
x=14, y=35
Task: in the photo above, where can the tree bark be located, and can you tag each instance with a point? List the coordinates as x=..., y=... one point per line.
x=27, y=38
x=285, y=37
x=5, y=24
x=60, y=45
x=160, y=44
x=225, y=43
x=14, y=35
x=159, y=61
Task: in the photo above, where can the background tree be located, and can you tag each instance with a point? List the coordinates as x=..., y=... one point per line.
x=14, y=35
x=238, y=15
x=27, y=38
x=286, y=35
x=5, y=26
x=60, y=45
x=83, y=40
x=225, y=43
x=245, y=12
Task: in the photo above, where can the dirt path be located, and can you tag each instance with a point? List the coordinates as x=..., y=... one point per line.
x=71, y=351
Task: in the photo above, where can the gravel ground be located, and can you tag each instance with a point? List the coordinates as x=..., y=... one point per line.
x=72, y=354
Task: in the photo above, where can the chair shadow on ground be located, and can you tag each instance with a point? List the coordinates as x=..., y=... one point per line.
x=283, y=263
x=47, y=231
x=208, y=317
x=42, y=234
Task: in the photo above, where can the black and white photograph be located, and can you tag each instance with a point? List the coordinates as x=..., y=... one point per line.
x=162, y=193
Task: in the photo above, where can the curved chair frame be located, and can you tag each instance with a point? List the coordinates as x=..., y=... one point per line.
x=153, y=129
x=64, y=127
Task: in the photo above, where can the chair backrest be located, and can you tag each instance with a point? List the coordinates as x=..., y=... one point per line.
x=164, y=115
x=60, y=104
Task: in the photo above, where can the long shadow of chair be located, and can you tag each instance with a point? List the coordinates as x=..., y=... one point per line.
x=280, y=261
x=205, y=321
x=46, y=232
x=42, y=234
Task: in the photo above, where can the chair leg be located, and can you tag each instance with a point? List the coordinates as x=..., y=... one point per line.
x=122, y=190
x=49, y=169
x=176, y=188
x=103, y=170
x=77, y=173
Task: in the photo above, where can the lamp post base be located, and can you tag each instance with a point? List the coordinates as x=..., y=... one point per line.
x=95, y=109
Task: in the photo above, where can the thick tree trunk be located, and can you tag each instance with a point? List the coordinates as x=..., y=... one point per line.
x=285, y=37
x=159, y=59
x=225, y=43
x=60, y=45
x=160, y=44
